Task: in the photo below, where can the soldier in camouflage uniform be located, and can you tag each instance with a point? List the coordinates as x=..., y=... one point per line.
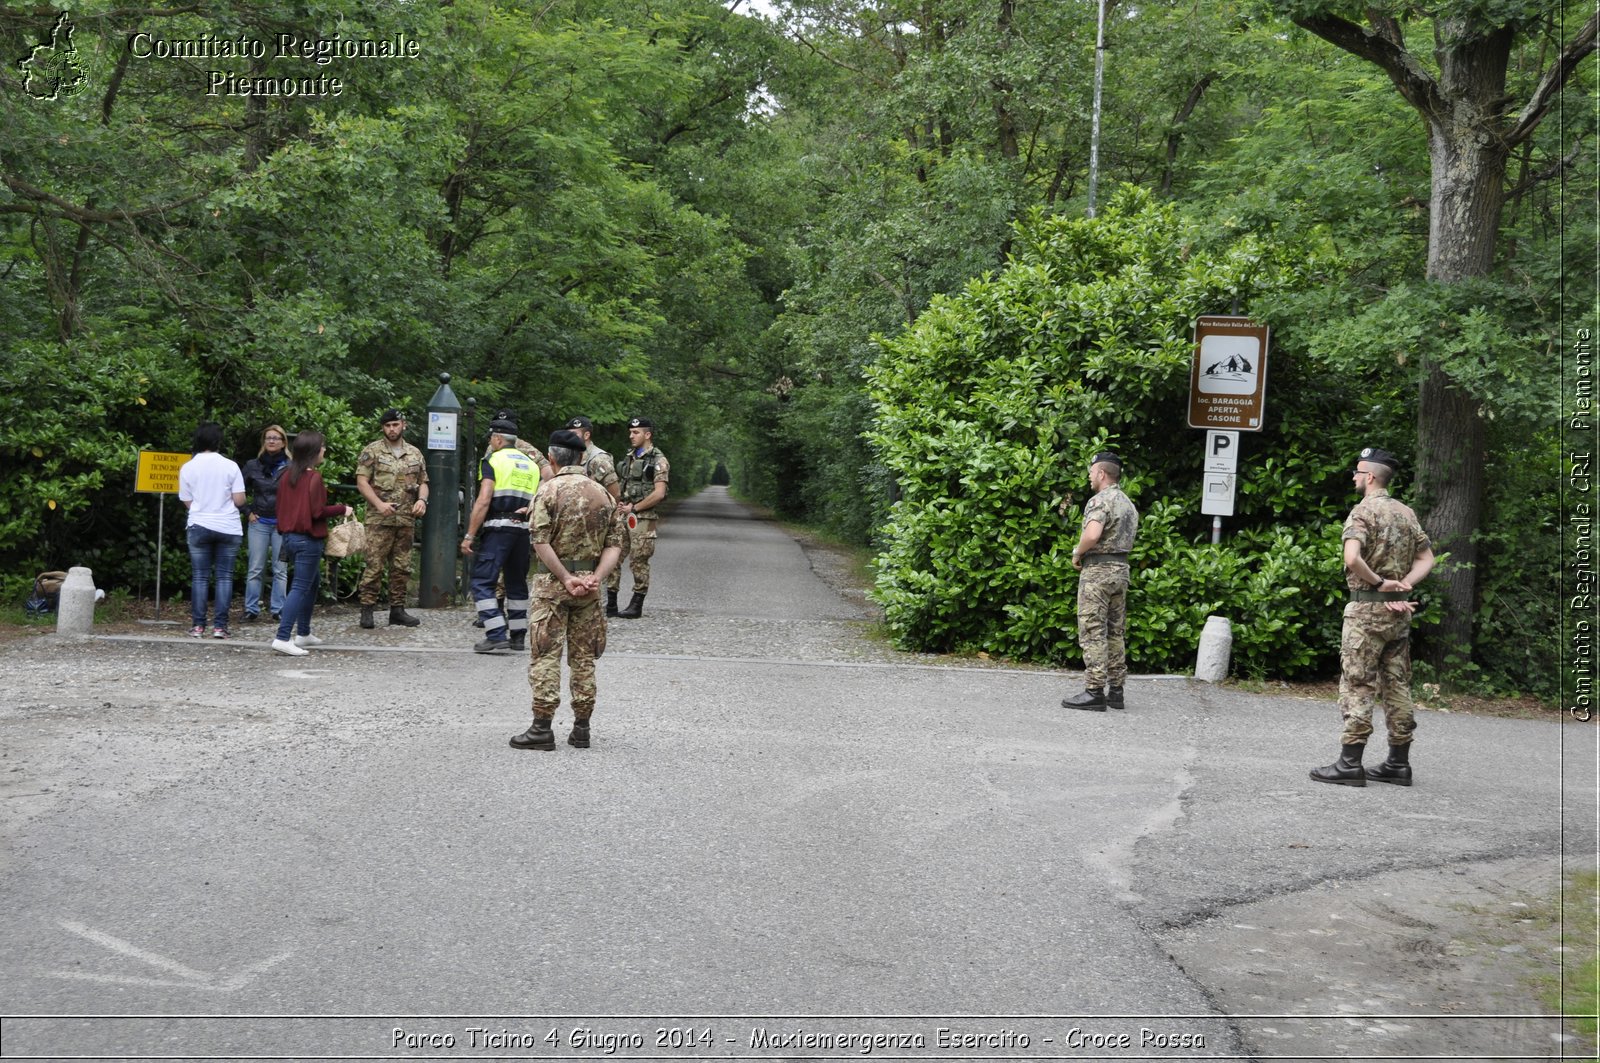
x=1110, y=525
x=598, y=466
x=1386, y=554
x=392, y=476
x=577, y=534
x=643, y=472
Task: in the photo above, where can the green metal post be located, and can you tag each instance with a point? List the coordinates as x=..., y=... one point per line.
x=441, y=525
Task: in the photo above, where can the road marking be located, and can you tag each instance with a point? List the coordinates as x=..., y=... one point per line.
x=190, y=978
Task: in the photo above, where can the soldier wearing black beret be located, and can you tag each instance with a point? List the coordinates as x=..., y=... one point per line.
x=1386, y=554
x=643, y=472
x=392, y=476
x=577, y=535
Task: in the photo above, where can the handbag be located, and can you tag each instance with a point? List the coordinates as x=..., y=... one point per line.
x=46, y=592
x=347, y=538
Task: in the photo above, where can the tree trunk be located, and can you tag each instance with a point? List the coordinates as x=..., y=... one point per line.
x=1469, y=145
x=1468, y=190
x=1178, y=120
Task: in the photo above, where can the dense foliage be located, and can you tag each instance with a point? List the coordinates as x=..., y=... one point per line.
x=701, y=212
x=989, y=409
x=511, y=205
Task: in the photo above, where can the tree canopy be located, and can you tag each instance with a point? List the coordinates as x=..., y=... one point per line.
x=810, y=243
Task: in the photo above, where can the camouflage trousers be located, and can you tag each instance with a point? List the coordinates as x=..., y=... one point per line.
x=638, y=547
x=1102, y=623
x=389, y=543
x=555, y=621
x=1375, y=665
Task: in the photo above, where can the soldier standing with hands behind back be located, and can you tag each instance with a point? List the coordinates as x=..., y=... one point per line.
x=1110, y=525
x=577, y=533
x=392, y=476
x=1386, y=554
x=598, y=466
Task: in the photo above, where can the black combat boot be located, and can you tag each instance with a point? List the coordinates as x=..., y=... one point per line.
x=537, y=736
x=1114, y=698
x=611, y=603
x=1347, y=770
x=366, y=617
x=519, y=641
x=398, y=615
x=635, y=607
x=580, y=734
x=1091, y=700
x=1397, y=769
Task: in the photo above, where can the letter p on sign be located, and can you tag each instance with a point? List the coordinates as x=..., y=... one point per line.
x=1222, y=452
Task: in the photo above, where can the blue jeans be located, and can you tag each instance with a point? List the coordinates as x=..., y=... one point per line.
x=305, y=559
x=264, y=540
x=211, y=557
x=508, y=549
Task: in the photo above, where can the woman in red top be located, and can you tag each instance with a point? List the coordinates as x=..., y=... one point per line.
x=303, y=513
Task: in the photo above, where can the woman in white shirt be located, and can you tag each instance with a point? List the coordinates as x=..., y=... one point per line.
x=213, y=488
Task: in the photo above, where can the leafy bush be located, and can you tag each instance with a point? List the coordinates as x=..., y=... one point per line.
x=988, y=409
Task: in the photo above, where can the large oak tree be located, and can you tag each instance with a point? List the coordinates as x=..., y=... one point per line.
x=1473, y=126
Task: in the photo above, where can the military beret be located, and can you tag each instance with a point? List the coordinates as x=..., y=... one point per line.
x=391, y=415
x=502, y=426
x=567, y=440
x=641, y=422
x=1107, y=457
x=581, y=421
x=505, y=415
x=1379, y=456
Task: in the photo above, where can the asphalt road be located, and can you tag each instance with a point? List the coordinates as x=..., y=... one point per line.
x=785, y=832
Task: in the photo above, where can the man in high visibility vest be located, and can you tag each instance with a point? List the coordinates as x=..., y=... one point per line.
x=497, y=539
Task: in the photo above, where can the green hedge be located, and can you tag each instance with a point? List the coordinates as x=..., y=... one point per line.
x=987, y=410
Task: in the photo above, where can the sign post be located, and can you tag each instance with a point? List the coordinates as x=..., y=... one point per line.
x=1227, y=395
x=1220, y=472
x=157, y=474
x=441, y=524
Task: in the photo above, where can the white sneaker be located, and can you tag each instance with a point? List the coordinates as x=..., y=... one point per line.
x=288, y=648
x=307, y=640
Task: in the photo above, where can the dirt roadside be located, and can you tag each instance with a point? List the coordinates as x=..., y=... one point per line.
x=1445, y=961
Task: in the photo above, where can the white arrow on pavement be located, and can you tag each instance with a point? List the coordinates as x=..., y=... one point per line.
x=186, y=977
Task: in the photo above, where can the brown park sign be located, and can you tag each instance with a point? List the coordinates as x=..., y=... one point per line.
x=1228, y=380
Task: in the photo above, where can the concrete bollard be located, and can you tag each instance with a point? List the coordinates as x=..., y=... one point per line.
x=1216, y=650
x=75, y=603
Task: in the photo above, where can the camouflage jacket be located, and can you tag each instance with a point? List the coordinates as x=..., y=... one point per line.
x=1119, y=520
x=1390, y=535
x=599, y=467
x=397, y=480
x=577, y=517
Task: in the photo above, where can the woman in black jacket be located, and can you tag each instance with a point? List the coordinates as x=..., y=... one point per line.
x=261, y=484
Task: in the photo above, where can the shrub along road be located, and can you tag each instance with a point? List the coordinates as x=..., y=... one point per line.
x=784, y=832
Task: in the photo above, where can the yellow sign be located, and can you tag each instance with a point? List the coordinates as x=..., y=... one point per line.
x=158, y=472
